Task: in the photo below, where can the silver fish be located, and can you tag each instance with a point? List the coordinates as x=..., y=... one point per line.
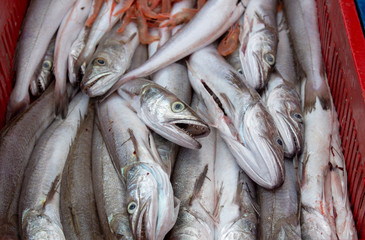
x=17, y=140
x=111, y=59
x=164, y=113
x=110, y=191
x=79, y=217
x=258, y=42
x=39, y=199
x=208, y=24
x=151, y=203
x=40, y=24
x=40, y=84
x=280, y=208
x=238, y=113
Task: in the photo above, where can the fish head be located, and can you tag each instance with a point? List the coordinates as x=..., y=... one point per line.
x=257, y=56
x=265, y=143
x=102, y=72
x=170, y=117
x=284, y=106
x=151, y=206
x=41, y=81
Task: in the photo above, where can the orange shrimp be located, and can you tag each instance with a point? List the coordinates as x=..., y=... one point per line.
x=144, y=36
x=128, y=4
x=147, y=12
x=230, y=42
x=97, y=7
x=180, y=18
x=127, y=18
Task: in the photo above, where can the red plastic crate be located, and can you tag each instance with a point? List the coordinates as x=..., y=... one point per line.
x=343, y=49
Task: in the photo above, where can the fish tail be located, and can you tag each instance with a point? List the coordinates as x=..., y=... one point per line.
x=61, y=102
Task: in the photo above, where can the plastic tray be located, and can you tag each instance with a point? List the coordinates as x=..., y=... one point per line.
x=343, y=48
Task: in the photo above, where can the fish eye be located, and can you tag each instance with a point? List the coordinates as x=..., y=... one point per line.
x=270, y=59
x=132, y=206
x=177, y=106
x=99, y=61
x=298, y=117
x=279, y=141
x=240, y=71
x=47, y=65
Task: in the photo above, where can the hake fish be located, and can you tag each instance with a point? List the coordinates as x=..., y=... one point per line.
x=110, y=191
x=237, y=111
x=39, y=199
x=79, y=216
x=111, y=59
x=164, y=113
x=17, y=140
x=152, y=206
x=258, y=39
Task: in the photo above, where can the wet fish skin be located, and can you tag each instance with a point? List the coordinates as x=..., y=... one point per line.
x=17, y=140
x=151, y=203
x=111, y=59
x=40, y=84
x=237, y=111
x=39, y=199
x=258, y=42
x=110, y=191
x=77, y=205
x=40, y=18
x=164, y=113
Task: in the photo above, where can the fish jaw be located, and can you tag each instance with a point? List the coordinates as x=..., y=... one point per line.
x=149, y=187
x=37, y=225
x=98, y=84
x=265, y=144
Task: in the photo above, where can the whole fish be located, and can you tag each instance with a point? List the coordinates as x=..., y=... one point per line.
x=104, y=22
x=280, y=208
x=164, y=113
x=193, y=183
x=17, y=140
x=68, y=32
x=235, y=198
x=40, y=24
x=40, y=197
x=258, y=41
x=45, y=75
x=152, y=206
x=237, y=111
x=207, y=25
x=111, y=59
x=110, y=191
x=77, y=205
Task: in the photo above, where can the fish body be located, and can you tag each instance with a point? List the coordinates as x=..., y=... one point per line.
x=110, y=191
x=77, y=205
x=39, y=199
x=164, y=113
x=40, y=24
x=206, y=26
x=151, y=204
x=237, y=111
x=111, y=59
x=40, y=84
x=68, y=32
x=17, y=140
x=258, y=42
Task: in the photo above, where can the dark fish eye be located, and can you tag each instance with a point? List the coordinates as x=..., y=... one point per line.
x=270, y=59
x=298, y=116
x=99, y=61
x=132, y=206
x=177, y=106
x=240, y=71
x=279, y=141
x=47, y=65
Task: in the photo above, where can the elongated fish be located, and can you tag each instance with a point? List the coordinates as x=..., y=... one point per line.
x=17, y=140
x=280, y=208
x=40, y=196
x=40, y=24
x=152, y=206
x=164, y=113
x=45, y=76
x=237, y=111
x=77, y=202
x=259, y=39
x=110, y=191
x=68, y=32
x=207, y=25
x=111, y=59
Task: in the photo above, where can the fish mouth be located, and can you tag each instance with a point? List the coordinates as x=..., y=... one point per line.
x=194, y=129
x=98, y=84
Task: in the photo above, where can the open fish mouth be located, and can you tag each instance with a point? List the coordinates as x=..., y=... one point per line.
x=195, y=129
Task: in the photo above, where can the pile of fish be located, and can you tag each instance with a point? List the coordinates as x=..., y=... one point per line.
x=221, y=127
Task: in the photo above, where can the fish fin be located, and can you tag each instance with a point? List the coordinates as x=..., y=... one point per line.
x=198, y=184
x=16, y=107
x=129, y=39
x=61, y=104
x=52, y=192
